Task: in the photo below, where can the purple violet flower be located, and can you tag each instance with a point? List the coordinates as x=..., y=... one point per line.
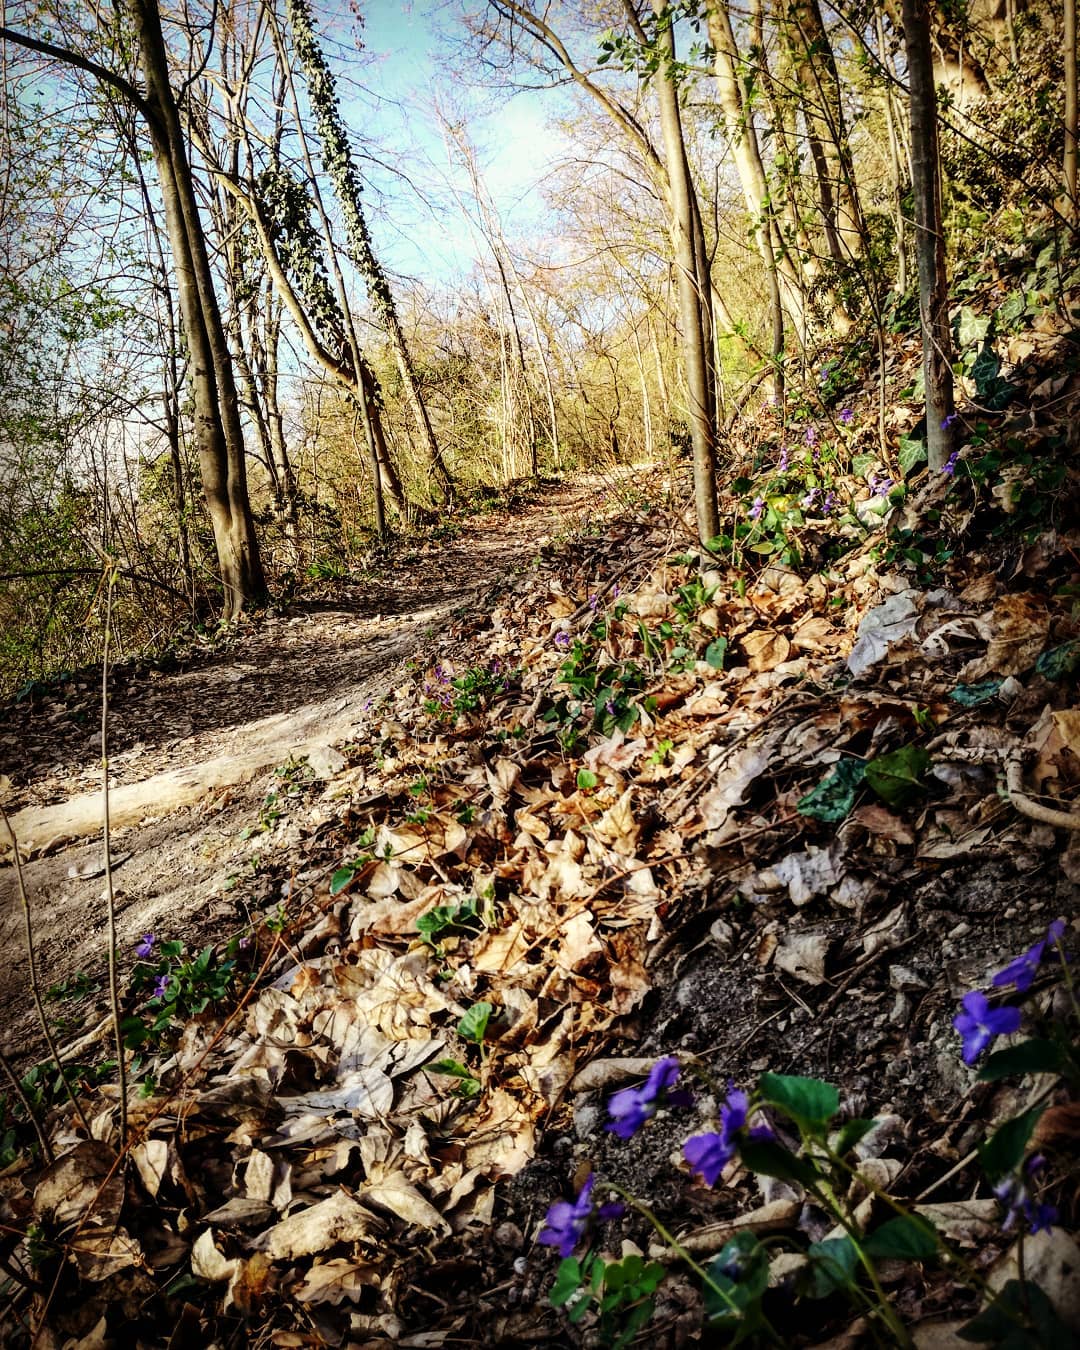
x=594, y=600
x=161, y=984
x=783, y=462
x=828, y=504
x=145, y=945
x=807, y=502
x=757, y=508
x=847, y=416
x=1013, y=1193
x=1021, y=972
x=562, y=638
x=810, y=435
x=880, y=484
x=947, y=422
x=632, y=1107
x=566, y=1223
x=708, y=1154
x=978, y=1024
x=949, y=467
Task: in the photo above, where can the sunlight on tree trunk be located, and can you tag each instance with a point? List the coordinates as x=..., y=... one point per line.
x=929, y=237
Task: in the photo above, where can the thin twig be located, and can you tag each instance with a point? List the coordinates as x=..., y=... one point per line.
x=20, y=1092
x=35, y=987
x=110, y=897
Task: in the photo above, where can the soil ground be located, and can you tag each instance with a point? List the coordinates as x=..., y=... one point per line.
x=193, y=745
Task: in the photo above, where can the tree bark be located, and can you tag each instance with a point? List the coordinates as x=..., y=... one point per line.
x=929, y=239
x=218, y=430
x=692, y=289
x=751, y=170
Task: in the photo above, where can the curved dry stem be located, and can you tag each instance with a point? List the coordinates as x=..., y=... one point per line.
x=35, y=987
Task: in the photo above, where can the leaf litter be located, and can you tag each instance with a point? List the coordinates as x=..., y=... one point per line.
x=789, y=852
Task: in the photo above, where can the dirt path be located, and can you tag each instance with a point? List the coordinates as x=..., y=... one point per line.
x=193, y=753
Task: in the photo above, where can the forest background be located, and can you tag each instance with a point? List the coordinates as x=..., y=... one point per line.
x=229, y=366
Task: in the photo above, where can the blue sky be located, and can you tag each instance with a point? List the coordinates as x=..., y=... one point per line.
x=407, y=66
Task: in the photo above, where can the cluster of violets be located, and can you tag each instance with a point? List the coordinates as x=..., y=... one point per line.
x=439, y=692
x=567, y=1224
x=978, y=1023
x=708, y=1154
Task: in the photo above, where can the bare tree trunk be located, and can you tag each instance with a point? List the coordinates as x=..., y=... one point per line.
x=218, y=430
x=930, y=241
x=751, y=170
x=1072, y=205
x=693, y=292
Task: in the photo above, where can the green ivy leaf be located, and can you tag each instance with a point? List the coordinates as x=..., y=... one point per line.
x=895, y=776
x=905, y=1238
x=586, y=779
x=1004, y=1150
x=809, y=1100
x=912, y=453
x=834, y=796
x=1034, y=1056
x=473, y=1026
x=715, y=653
x=971, y=695
x=1057, y=662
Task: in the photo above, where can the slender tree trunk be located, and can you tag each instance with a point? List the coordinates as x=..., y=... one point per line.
x=751, y=170
x=218, y=429
x=929, y=239
x=696, y=337
x=1072, y=205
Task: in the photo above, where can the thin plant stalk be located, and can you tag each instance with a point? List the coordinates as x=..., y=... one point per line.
x=35, y=987
x=20, y=1092
x=110, y=897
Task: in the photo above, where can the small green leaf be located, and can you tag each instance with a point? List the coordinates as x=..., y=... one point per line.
x=770, y=1159
x=738, y=1276
x=832, y=1265
x=1034, y=1056
x=450, y=1067
x=834, y=796
x=1020, y=1318
x=905, y=1238
x=715, y=653
x=1004, y=1150
x=808, y=1100
x=912, y=453
x=971, y=695
x=851, y=1133
x=473, y=1025
x=341, y=878
x=895, y=777
x=586, y=779
x=1057, y=662
x=568, y=1280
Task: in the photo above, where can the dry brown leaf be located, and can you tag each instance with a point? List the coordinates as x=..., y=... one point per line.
x=764, y=649
x=336, y=1280
x=803, y=955
x=207, y=1263
x=397, y=1194
x=339, y=1218
x=1021, y=626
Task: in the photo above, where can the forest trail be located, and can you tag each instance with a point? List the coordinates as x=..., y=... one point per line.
x=192, y=751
